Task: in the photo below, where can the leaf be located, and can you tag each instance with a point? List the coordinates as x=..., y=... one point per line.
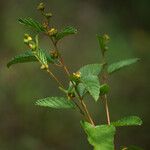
x=82, y=90
x=128, y=121
x=65, y=32
x=131, y=148
x=56, y=102
x=92, y=85
x=100, y=137
x=25, y=57
x=29, y=22
x=41, y=56
x=119, y=65
x=104, y=89
x=91, y=69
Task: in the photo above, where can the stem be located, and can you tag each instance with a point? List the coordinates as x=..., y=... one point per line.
x=87, y=112
x=55, y=78
x=107, y=109
x=80, y=98
x=104, y=98
x=88, y=116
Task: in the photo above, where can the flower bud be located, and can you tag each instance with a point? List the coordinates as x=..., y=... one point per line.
x=44, y=67
x=52, y=32
x=106, y=37
x=27, y=38
x=41, y=7
x=45, y=25
x=32, y=46
x=70, y=95
x=48, y=15
x=54, y=54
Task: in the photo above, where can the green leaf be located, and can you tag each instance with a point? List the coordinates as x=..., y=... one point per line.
x=65, y=32
x=131, y=148
x=104, y=89
x=100, y=137
x=22, y=58
x=121, y=64
x=82, y=90
x=29, y=22
x=92, y=85
x=128, y=121
x=25, y=57
x=91, y=69
x=41, y=56
x=56, y=102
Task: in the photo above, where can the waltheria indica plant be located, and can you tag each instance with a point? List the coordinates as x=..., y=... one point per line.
x=90, y=79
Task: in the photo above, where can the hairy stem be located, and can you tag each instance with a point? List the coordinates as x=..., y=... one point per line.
x=85, y=110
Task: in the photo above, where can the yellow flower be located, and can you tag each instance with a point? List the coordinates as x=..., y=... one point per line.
x=77, y=74
x=52, y=31
x=41, y=7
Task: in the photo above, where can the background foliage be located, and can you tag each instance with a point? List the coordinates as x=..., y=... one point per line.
x=27, y=127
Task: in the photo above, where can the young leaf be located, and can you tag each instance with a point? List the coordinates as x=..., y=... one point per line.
x=104, y=89
x=65, y=32
x=92, y=85
x=128, y=121
x=121, y=64
x=100, y=137
x=29, y=22
x=91, y=69
x=56, y=102
x=103, y=42
x=25, y=57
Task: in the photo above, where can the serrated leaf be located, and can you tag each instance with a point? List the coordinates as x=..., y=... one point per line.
x=82, y=90
x=41, y=56
x=132, y=147
x=91, y=69
x=121, y=64
x=56, y=102
x=65, y=32
x=25, y=57
x=92, y=85
x=128, y=121
x=104, y=89
x=29, y=22
x=100, y=137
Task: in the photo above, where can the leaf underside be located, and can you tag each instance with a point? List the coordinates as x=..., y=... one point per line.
x=56, y=102
x=121, y=64
x=65, y=32
x=128, y=121
x=29, y=22
x=27, y=56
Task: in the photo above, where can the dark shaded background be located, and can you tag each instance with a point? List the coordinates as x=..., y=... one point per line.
x=27, y=127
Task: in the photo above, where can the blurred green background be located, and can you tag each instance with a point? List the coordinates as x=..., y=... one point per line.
x=28, y=127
